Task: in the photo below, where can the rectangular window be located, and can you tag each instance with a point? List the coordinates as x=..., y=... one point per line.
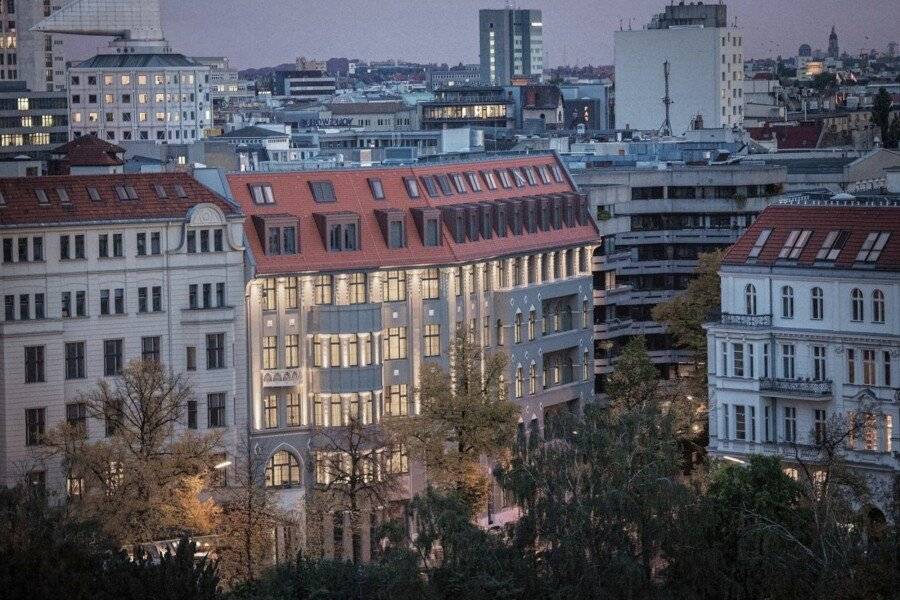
x=787, y=361
x=270, y=352
x=34, y=364
x=270, y=411
x=738, y=352
x=761, y=240
x=215, y=351
x=794, y=244
x=432, y=339
x=868, y=363
x=872, y=246
x=790, y=424
x=886, y=359
x=215, y=410
x=150, y=348
x=192, y=414
x=357, y=288
x=394, y=286
x=190, y=358
x=76, y=415
x=851, y=365
x=112, y=357
x=262, y=194
x=819, y=363
x=376, y=188
x=395, y=343
x=34, y=426
x=270, y=295
x=323, y=289
x=820, y=420
x=740, y=422
x=292, y=292
x=322, y=191
x=395, y=401
x=291, y=351
x=292, y=409
x=396, y=234
x=74, y=360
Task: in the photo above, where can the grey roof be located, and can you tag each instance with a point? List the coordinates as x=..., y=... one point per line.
x=812, y=165
x=252, y=131
x=140, y=61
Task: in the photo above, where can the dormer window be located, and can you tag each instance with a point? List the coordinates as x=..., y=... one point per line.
x=396, y=234
x=412, y=187
x=794, y=244
x=339, y=230
x=428, y=224
x=261, y=193
x=322, y=191
x=376, y=188
x=487, y=221
x=459, y=183
x=489, y=179
x=392, y=222
x=431, y=186
x=93, y=194
x=281, y=239
x=473, y=181
x=500, y=219
x=505, y=181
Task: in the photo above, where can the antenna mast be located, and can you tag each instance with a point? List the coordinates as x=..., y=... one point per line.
x=666, y=128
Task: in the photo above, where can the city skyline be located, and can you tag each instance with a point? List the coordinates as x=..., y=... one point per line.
x=395, y=30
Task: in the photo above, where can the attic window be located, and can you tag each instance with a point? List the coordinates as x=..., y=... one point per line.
x=444, y=183
x=489, y=179
x=160, y=191
x=179, y=191
x=872, y=247
x=517, y=176
x=261, y=193
x=93, y=194
x=833, y=244
x=412, y=187
x=376, y=188
x=126, y=192
x=431, y=186
x=505, y=181
x=322, y=191
x=760, y=242
x=63, y=196
x=544, y=174
x=473, y=181
x=557, y=173
x=41, y=196
x=794, y=244
x=529, y=174
x=459, y=183
x=2, y=199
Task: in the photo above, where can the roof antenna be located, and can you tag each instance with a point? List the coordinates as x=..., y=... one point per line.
x=666, y=129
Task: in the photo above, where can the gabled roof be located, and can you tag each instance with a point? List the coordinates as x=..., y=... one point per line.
x=136, y=61
x=21, y=206
x=293, y=196
x=253, y=131
x=860, y=222
x=90, y=151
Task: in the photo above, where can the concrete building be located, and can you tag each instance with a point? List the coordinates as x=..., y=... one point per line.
x=486, y=107
x=655, y=221
x=98, y=271
x=358, y=278
x=31, y=123
x=304, y=85
x=466, y=75
x=810, y=333
x=376, y=116
x=706, y=65
x=511, y=44
x=30, y=56
x=225, y=85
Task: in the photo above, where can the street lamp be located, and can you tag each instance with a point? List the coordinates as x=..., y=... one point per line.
x=223, y=464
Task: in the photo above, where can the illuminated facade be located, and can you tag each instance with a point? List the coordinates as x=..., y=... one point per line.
x=511, y=45
x=468, y=107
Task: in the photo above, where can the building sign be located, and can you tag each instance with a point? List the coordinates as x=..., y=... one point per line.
x=324, y=123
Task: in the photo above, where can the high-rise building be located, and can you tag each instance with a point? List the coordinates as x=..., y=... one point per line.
x=511, y=45
x=30, y=56
x=705, y=70
x=807, y=351
x=31, y=123
x=833, y=48
x=361, y=278
x=101, y=270
x=138, y=90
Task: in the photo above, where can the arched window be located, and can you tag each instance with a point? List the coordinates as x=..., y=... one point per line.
x=282, y=470
x=878, y=306
x=750, y=299
x=520, y=382
x=817, y=311
x=787, y=302
x=856, y=304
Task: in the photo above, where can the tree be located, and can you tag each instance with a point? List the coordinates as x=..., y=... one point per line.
x=142, y=481
x=465, y=416
x=881, y=116
x=359, y=469
x=250, y=514
x=174, y=576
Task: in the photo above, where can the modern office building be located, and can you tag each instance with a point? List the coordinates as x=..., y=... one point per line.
x=304, y=85
x=375, y=116
x=438, y=77
x=98, y=271
x=138, y=90
x=655, y=221
x=31, y=123
x=358, y=278
x=486, y=107
x=511, y=44
x=26, y=55
x=810, y=336
x=225, y=85
x=705, y=62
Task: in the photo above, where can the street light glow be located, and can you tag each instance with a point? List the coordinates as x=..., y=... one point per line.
x=223, y=464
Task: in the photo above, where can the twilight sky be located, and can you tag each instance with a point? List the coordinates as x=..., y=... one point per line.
x=268, y=32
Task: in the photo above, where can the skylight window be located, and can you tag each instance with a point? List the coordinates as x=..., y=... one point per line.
x=261, y=193
x=121, y=193
x=444, y=183
x=505, y=181
x=63, y=195
x=412, y=187
x=431, y=186
x=376, y=188
x=2, y=199
x=489, y=179
x=179, y=191
x=459, y=183
x=529, y=174
x=833, y=244
x=760, y=242
x=544, y=174
x=42, y=196
x=872, y=247
x=160, y=191
x=557, y=173
x=794, y=244
x=517, y=176
x=473, y=181
x=322, y=191
x=93, y=194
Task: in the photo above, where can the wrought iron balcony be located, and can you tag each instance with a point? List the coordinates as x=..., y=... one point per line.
x=799, y=387
x=747, y=320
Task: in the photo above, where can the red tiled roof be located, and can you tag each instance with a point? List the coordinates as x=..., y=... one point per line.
x=90, y=151
x=789, y=137
x=292, y=195
x=858, y=221
x=21, y=206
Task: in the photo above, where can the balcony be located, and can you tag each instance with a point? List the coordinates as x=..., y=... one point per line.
x=281, y=377
x=797, y=388
x=611, y=293
x=747, y=320
x=611, y=328
x=607, y=261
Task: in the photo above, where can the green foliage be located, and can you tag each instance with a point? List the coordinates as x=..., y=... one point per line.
x=881, y=116
x=178, y=576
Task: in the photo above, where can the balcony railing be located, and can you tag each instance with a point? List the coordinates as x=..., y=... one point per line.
x=806, y=387
x=747, y=320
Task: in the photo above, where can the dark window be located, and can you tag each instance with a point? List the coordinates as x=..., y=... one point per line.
x=76, y=414
x=192, y=414
x=150, y=348
x=215, y=351
x=396, y=234
x=8, y=250
x=37, y=248
x=39, y=306
x=34, y=364
x=79, y=246
x=432, y=232
x=75, y=360
x=34, y=426
x=412, y=187
x=322, y=191
x=376, y=188
x=289, y=241
x=112, y=357
x=215, y=410
x=431, y=186
x=444, y=183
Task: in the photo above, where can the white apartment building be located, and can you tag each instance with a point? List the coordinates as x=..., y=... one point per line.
x=30, y=56
x=98, y=271
x=810, y=329
x=706, y=71
x=140, y=97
